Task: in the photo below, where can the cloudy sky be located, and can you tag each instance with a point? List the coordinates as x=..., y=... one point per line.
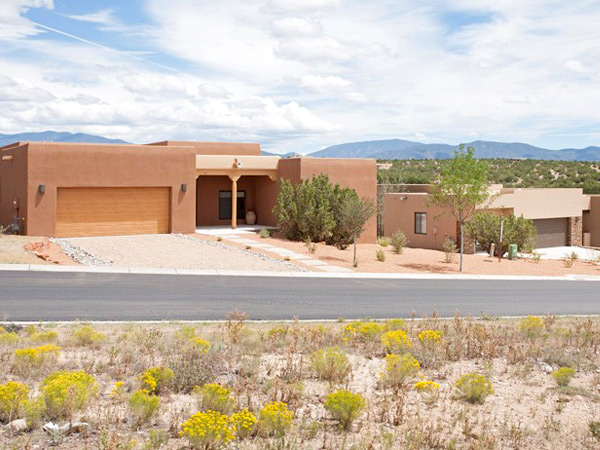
x=299, y=75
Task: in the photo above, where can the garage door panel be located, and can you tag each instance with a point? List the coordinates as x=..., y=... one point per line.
x=551, y=232
x=112, y=211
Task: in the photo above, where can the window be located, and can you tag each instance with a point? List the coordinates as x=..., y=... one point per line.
x=420, y=223
x=225, y=204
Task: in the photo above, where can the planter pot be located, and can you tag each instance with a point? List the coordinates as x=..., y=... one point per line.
x=250, y=218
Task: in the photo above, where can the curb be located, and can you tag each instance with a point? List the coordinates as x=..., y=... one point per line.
x=247, y=273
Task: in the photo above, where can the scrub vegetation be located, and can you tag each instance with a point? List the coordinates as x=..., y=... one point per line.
x=417, y=383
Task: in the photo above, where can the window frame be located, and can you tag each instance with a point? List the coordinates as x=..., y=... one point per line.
x=420, y=229
x=241, y=213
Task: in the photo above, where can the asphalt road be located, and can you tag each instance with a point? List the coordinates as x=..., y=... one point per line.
x=49, y=296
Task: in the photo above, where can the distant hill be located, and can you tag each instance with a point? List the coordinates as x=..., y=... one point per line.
x=402, y=149
x=285, y=155
x=57, y=136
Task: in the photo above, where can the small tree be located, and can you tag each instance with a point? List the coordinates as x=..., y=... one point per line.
x=485, y=229
x=463, y=186
x=354, y=214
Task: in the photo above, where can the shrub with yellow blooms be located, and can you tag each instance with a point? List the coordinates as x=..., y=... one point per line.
x=208, y=430
x=563, y=376
x=202, y=345
x=27, y=359
x=345, y=407
x=13, y=398
x=242, y=423
x=362, y=331
x=398, y=369
x=44, y=336
x=532, y=326
x=396, y=341
x=473, y=387
x=275, y=419
x=9, y=338
x=428, y=337
x=214, y=397
x=156, y=379
x=87, y=335
x=429, y=390
x=65, y=393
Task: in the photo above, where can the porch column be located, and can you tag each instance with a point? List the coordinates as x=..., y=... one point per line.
x=234, y=180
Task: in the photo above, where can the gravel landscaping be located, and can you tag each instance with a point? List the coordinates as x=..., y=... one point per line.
x=168, y=251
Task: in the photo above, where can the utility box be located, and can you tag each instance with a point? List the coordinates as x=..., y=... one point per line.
x=512, y=251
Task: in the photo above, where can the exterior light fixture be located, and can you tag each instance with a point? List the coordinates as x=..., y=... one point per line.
x=42, y=188
x=184, y=187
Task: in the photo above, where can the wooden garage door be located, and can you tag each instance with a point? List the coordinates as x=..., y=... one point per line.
x=112, y=211
x=551, y=232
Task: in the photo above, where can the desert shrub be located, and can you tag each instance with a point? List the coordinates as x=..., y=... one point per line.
x=331, y=364
x=264, y=233
x=156, y=380
x=13, y=398
x=429, y=337
x=214, y=397
x=242, y=423
x=485, y=229
x=202, y=345
x=394, y=324
x=45, y=336
x=191, y=370
x=473, y=387
x=9, y=338
x=399, y=242
x=207, y=430
x=563, y=376
x=310, y=246
x=87, y=335
x=35, y=409
x=65, y=393
x=594, y=428
x=28, y=359
x=143, y=406
x=275, y=419
x=532, y=326
x=383, y=241
x=568, y=261
x=118, y=391
x=398, y=369
x=380, y=255
x=396, y=341
x=450, y=250
x=429, y=390
x=345, y=407
x=362, y=331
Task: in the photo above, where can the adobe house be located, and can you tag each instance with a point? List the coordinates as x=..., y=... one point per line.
x=78, y=189
x=561, y=216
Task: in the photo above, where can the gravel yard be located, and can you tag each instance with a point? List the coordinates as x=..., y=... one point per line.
x=168, y=251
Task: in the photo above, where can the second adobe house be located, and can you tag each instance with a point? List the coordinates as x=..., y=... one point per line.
x=78, y=189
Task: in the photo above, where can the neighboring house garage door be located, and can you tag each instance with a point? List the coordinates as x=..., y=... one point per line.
x=112, y=211
x=551, y=232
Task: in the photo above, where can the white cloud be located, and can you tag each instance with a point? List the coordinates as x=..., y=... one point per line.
x=103, y=17
x=329, y=84
x=12, y=23
x=296, y=27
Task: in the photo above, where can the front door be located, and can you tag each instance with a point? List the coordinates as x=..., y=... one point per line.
x=225, y=205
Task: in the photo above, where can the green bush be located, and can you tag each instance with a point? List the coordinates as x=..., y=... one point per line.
x=86, y=335
x=264, y=233
x=331, y=364
x=345, y=407
x=383, y=241
x=563, y=376
x=473, y=387
x=398, y=369
x=485, y=229
x=214, y=397
x=594, y=428
x=399, y=242
x=380, y=255
x=67, y=392
x=143, y=406
x=450, y=250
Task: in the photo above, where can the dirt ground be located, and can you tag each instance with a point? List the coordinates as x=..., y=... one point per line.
x=416, y=260
x=12, y=250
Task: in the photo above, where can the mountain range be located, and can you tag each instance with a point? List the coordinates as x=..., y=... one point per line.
x=380, y=149
x=402, y=149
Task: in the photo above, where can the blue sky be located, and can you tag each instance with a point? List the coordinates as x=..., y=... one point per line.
x=299, y=75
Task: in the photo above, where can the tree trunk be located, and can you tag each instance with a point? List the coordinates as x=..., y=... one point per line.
x=462, y=245
x=355, y=257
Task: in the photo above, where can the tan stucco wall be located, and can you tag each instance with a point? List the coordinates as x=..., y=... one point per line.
x=216, y=148
x=95, y=165
x=592, y=221
x=541, y=203
x=13, y=185
x=399, y=215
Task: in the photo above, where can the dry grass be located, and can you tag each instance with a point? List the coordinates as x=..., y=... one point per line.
x=264, y=362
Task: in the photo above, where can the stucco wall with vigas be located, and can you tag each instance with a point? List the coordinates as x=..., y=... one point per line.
x=100, y=165
x=13, y=185
x=399, y=214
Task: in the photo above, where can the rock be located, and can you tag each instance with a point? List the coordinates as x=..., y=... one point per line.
x=67, y=428
x=547, y=368
x=18, y=426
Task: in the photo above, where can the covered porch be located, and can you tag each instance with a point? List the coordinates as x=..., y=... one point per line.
x=234, y=190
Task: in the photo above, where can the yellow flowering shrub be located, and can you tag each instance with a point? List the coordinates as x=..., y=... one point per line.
x=277, y=332
x=65, y=393
x=208, y=430
x=214, y=397
x=13, y=397
x=202, y=345
x=275, y=419
x=118, y=391
x=398, y=369
x=430, y=336
x=473, y=387
x=345, y=407
x=429, y=390
x=9, y=338
x=27, y=359
x=395, y=341
x=143, y=406
x=395, y=324
x=87, y=335
x=44, y=336
x=362, y=331
x=331, y=364
x=563, y=376
x=156, y=379
x=242, y=423
x=532, y=325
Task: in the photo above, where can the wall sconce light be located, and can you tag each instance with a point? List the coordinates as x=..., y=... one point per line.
x=42, y=188
x=184, y=187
